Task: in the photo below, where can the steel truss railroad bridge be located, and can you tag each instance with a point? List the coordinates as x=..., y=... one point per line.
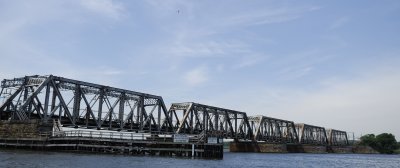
x=91, y=106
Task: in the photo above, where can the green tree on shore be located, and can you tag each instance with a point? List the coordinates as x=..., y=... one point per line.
x=383, y=143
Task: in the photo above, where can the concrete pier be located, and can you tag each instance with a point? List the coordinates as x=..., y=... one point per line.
x=314, y=149
x=262, y=147
x=340, y=149
x=257, y=147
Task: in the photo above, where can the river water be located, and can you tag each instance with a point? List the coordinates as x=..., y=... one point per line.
x=11, y=158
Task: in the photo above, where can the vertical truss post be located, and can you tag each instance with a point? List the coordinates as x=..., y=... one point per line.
x=53, y=99
x=216, y=117
x=100, y=111
x=76, y=105
x=121, y=110
x=236, y=126
x=46, y=103
x=159, y=116
x=141, y=112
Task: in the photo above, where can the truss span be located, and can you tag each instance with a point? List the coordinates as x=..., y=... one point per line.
x=82, y=104
x=79, y=104
x=310, y=134
x=195, y=118
x=273, y=130
x=337, y=138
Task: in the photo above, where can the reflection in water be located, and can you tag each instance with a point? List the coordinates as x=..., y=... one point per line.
x=10, y=158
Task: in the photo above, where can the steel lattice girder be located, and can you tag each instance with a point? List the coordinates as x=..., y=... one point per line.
x=273, y=130
x=82, y=104
x=87, y=105
x=309, y=134
x=337, y=138
x=197, y=118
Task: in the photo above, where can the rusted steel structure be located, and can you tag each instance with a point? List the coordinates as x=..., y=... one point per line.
x=195, y=118
x=312, y=135
x=337, y=138
x=273, y=130
x=82, y=105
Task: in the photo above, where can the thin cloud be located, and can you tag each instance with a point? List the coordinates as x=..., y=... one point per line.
x=107, y=8
x=196, y=77
x=267, y=16
x=171, y=5
x=299, y=64
x=292, y=73
x=366, y=105
x=337, y=41
x=250, y=60
x=112, y=72
x=205, y=48
x=11, y=27
x=262, y=17
x=338, y=23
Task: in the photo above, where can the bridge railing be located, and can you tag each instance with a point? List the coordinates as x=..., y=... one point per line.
x=107, y=135
x=120, y=136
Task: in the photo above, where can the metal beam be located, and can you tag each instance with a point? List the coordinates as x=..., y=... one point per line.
x=53, y=90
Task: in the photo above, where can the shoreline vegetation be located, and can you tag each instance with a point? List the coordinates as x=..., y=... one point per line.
x=384, y=143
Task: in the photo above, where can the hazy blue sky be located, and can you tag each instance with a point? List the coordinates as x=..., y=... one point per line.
x=334, y=64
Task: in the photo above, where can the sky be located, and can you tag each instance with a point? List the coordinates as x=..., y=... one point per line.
x=334, y=64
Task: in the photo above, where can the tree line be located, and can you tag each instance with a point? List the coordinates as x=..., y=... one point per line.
x=383, y=143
